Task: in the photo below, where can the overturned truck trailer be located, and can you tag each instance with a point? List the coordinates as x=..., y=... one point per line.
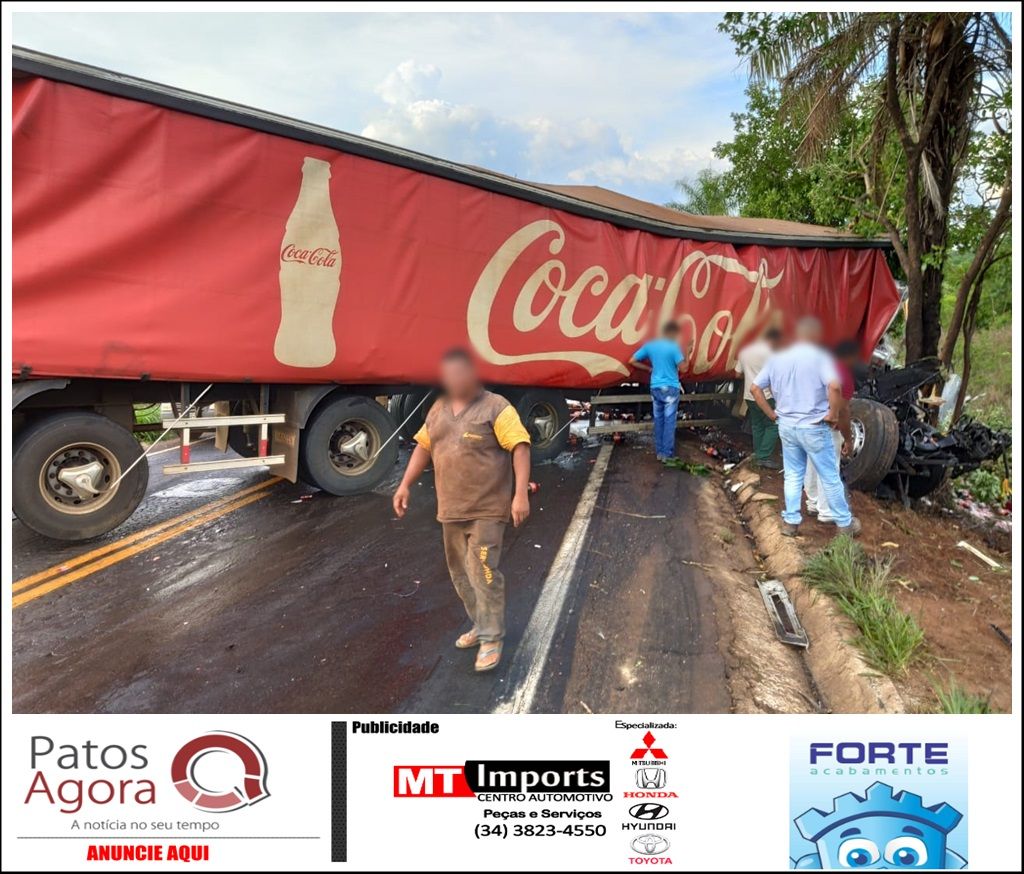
x=173, y=247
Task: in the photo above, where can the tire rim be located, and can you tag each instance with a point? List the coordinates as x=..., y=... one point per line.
x=353, y=447
x=858, y=434
x=542, y=422
x=77, y=478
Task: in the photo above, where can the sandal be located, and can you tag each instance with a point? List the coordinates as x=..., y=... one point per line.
x=488, y=656
x=467, y=640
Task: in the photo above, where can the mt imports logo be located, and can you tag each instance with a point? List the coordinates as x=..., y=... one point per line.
x=878, y=803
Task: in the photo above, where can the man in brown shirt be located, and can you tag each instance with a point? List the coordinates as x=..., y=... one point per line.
x=469, y=435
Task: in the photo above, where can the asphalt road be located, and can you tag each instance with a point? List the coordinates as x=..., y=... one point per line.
x=237, y=592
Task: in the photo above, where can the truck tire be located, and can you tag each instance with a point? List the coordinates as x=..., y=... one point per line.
x=341, y=445
x=101, y=449
x=876, y=435
x=401, y=407
x=546, y=416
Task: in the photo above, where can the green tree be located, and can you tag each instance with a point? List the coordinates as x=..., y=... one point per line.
x=763, y=178
x=707, y=193
x=916, y=85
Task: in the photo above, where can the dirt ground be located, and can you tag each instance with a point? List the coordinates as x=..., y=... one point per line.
x=963, y=605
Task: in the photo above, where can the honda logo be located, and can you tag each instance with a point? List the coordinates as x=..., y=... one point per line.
x=650, y=778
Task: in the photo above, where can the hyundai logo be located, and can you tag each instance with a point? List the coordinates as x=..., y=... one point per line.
x=648, y=811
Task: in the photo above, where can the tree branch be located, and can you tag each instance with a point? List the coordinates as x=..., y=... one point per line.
x=892, y=100
x=979, y=264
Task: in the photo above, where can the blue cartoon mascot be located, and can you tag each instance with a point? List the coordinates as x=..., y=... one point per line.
x=884, y=829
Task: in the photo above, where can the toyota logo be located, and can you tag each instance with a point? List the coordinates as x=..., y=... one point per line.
x=648, y=811
x=649, y=845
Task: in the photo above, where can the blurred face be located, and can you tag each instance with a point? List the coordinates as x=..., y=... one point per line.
x=459, y=378
x=849, y=359
x=809, y=331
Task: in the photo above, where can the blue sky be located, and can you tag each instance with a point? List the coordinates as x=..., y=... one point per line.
x=628, y=101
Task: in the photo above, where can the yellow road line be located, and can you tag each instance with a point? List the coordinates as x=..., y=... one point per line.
x=106, y=549
x=128, y=552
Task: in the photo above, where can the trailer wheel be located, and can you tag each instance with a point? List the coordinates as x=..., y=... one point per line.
x=546, y=416
x=65, y=466
x=876, y=435
x=401, y=407
x=341, y=445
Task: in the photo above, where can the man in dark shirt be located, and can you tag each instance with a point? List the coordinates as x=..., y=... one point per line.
x=481, y=456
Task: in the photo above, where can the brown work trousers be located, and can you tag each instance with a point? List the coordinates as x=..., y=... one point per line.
x=473, y=551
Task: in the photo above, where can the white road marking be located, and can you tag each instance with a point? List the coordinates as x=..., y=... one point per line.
x=532, y=654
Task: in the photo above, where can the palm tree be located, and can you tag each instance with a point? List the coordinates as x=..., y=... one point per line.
x=926, y=76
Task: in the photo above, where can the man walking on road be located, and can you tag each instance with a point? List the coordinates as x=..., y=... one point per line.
x=750, y=362
x=662, y=358
x=481, y=456
x=809, y=403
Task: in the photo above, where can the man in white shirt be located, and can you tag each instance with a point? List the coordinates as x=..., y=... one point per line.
x=809, y=402
x=749, y=363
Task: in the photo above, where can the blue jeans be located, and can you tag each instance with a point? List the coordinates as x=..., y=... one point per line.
x=815, y=443
x=666, y=408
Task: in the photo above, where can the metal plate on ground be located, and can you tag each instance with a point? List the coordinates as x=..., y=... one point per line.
x=782, y=614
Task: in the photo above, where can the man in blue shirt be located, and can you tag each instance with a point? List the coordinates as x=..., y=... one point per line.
x=809, y=403
x=662, y=358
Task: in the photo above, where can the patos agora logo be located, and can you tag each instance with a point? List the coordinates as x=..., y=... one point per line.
x=220, y=771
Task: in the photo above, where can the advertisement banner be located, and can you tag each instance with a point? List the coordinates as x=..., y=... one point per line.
x=220, y=253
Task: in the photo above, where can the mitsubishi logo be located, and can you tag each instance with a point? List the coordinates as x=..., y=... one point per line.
x=656, y=752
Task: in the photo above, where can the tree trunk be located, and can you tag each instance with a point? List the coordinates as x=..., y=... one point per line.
x=931, y=312
x=979, y=264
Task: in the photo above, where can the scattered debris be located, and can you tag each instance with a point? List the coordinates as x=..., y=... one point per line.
x=627, y=513
x=780, y=610
x=1003, y=636
x=688, y=466
x=991, y=562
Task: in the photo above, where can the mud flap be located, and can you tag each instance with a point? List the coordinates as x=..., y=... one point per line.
x=284, y=440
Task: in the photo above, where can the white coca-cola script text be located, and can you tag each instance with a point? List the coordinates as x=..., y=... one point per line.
x=549, y=294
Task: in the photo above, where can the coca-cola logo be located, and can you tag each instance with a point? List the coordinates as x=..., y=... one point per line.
x=549, y=297
x=319, y=257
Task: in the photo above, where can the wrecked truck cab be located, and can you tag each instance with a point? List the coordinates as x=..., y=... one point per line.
x=897, y=450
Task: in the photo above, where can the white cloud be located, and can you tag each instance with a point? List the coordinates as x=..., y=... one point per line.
x=629, y=101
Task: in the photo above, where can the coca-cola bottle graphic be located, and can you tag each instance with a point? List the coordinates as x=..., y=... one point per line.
x=310, y=275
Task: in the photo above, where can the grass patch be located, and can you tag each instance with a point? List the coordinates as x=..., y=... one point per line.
x=991, y=385
x=144, y=415
x=954, y=698
x=889, y=638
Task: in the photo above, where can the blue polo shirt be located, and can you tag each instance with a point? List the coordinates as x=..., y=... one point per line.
x=664, y=357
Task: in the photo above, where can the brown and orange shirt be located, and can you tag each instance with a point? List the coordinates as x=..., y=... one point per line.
x=473, y=473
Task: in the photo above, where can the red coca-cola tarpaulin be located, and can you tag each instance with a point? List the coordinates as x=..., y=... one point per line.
x=151, y=242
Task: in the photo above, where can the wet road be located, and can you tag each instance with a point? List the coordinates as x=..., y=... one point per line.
x=236, y=592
